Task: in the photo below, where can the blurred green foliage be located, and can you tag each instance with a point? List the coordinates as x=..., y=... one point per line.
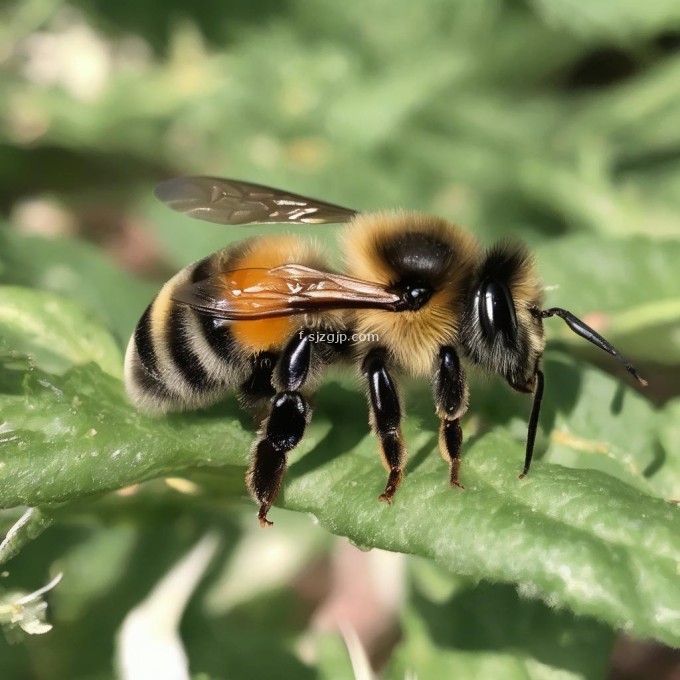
x=553, y=121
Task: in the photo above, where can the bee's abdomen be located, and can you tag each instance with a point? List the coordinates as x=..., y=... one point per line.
x=178, y=358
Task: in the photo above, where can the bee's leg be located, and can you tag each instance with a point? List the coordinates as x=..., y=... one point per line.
x=385, y=418
x=451, y=401
x=256, y=391
x=283, y=429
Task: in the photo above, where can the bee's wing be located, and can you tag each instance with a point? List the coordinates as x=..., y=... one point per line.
x=248, y=294
x=228, y=201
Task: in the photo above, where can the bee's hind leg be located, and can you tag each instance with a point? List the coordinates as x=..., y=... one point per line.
x=256, y=391
x=283, y=429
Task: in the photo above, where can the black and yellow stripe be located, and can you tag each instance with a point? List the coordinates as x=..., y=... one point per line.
x=177, y=358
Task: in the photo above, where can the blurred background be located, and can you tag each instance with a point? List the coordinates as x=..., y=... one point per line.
x=556, y=121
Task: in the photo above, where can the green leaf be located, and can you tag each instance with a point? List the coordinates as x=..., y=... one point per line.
x=589, y=420
x=56, y=333
x=670, y=442
x=650, y=331
x=248, y=653
x=333, y=661
x=629, y=289
x=109, y=566
x=110, y=444
x=576, y=538
x=94, y=566
x=489, y=631
x=75, y=270
x=623, y=20
x=598, y=274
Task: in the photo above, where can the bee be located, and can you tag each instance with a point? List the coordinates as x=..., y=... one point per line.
x=248, y=319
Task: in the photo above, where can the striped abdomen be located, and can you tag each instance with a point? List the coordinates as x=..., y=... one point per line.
x=178, y=358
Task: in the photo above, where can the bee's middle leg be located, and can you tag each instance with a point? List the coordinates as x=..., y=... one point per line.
x=385, y=418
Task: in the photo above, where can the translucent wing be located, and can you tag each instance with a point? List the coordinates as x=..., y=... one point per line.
x=243, y=294
x=228, y=201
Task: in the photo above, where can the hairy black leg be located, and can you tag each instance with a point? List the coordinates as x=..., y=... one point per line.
x=450, y=396
x=385, y=418
x=284, y=428
x=256, y=391
x=283, y=432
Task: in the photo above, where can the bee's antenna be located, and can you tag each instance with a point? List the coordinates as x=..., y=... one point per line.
x=585, y=331
x=533, y=422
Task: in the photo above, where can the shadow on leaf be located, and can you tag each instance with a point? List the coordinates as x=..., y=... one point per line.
x=492, y=617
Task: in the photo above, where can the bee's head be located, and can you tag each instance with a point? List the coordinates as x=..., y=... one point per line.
x=499, y=330
x=502, y=329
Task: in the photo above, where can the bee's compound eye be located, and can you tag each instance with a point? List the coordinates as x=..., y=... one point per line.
x=496, y=310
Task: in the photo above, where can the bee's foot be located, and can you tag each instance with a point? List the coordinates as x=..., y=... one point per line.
x=262, y=517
